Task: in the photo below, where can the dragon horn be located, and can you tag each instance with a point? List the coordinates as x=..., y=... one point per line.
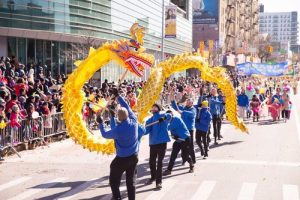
x=140, y=34
x=137, y=33
x=133, y=30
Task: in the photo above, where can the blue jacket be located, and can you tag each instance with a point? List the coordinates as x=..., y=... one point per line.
x=276, y=96
x=203, y=119
x=215, y=105
x=178, y=128
x=188, y=115
x=222, y=106
x=125, y=134
x=243, y=100
x=158, y=133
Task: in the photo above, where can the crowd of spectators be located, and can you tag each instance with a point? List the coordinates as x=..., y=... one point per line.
x=27, y=91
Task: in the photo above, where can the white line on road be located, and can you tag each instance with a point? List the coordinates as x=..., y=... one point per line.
x=250, y=162
x=166, y=187
x=297, y=122
x=73, y=193
x=290, y=192
x=13, y=183
x=247, y=191
x=32, y=191
x=204, y=190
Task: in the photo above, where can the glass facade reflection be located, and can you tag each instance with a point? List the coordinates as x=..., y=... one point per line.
x=102, y=19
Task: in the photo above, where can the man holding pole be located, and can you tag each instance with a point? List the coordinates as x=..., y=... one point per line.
x=158, y=138
x=126, y=135
x=188, y=115
x=181, y=135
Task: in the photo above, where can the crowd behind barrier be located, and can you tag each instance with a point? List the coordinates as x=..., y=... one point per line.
x=32, y=130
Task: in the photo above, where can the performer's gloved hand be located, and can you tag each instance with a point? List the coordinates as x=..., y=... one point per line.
x=99, y=119
x=112, y=111
x=162, y=119
x=224, y=103
x=115, y=92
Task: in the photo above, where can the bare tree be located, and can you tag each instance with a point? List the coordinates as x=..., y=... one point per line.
x=264, y=41
x=80, y=49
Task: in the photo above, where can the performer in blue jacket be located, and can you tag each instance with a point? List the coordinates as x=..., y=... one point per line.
x=215, y=110
x=203, y=120
x=158, y=139
x=126, y=135
x=188, y=115
x=182, y=138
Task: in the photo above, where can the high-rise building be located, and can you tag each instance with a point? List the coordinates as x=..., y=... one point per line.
x=234, y=26
x=281, y=26
x=41, y=31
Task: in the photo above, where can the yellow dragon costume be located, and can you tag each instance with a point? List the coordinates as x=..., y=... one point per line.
x=130, y=54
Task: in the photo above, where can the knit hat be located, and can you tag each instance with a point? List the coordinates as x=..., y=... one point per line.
x=22, y=99
x=15, y=108
x=122, y=114
x=204, y=104
x=157, y=106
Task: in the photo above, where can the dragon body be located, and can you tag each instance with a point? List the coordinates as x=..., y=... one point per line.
x=130, y=55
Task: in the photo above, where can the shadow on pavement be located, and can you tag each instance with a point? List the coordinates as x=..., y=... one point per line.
x=269, y=122
x=70, y=185
x=224, y=144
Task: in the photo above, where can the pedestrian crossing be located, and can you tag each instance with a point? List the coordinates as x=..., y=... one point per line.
x=202, y=190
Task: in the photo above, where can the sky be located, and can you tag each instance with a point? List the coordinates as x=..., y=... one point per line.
x=282, y=6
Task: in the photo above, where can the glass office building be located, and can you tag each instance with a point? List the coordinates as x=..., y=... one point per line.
x=49, y=31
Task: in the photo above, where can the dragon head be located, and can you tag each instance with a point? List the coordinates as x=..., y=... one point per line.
x=131, y=52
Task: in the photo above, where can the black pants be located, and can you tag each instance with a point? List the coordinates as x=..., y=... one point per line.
x=157, y=152
x=117, y=167
x=184, y=146
x=202, y=138
x=217, y=126
x=191, y=149
x=285, y=114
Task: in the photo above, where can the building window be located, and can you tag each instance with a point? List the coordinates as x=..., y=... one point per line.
x=12, y=46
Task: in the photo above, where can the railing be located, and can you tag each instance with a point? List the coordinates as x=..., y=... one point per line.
x=32, y=129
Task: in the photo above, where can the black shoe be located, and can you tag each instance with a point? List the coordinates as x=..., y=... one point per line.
x=166, y=172
x=216, y=143
x=219, y=138
x=158, y=186
x=149, y=182
x=191, y=170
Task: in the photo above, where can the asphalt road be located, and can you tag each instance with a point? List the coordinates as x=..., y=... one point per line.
x=264, y=165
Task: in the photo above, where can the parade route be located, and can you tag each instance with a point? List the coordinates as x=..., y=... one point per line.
x=262, y=165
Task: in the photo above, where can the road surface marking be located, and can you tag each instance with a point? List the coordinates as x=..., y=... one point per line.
x=109, y=196
x=250, y=162
x=13, y=183
x=32, y=191
x=247, y=191
x=204, y=190
x=73, y=193
x=166, y=187
x=297, y=122
x=290, y=192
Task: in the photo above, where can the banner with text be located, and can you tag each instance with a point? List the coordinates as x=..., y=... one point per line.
x=278, y=69
x=170, y=22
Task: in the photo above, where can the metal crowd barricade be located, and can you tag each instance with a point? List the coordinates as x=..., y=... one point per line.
x=32, y=129
x=53, y=125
